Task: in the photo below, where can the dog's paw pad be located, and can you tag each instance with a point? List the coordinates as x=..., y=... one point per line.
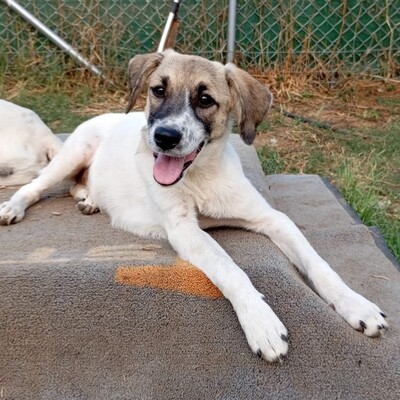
x=10, y=214
x=87, y=207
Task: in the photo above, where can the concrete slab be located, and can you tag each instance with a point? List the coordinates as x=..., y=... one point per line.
x=73, y=326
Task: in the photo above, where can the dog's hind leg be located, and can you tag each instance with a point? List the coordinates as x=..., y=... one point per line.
x=74, y=156
x=81, y=194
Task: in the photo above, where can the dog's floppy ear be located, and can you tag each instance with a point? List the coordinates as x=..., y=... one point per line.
x=139, y=69
x=251, y=101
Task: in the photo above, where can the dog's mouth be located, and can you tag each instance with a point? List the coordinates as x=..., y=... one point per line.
x=169, y=170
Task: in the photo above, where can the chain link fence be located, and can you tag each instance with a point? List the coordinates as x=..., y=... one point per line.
x=353, y=36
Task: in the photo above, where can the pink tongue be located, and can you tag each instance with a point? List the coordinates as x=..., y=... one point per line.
x=167, y=170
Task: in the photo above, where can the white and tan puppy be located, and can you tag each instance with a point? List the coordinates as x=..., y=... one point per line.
x=172, y=172
x=26, y=144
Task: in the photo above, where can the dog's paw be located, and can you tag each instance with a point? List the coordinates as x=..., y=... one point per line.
x=361, y=314
x=87, y=206
x=265, y=333
x=79, y=192
x=10, y=213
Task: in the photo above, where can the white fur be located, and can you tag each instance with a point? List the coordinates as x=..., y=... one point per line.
x=121, y=184
x=213, y=192
x=26, y=144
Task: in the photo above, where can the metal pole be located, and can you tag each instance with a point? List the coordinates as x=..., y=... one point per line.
x=52, y=36
x=167, y=28
x=231, y=30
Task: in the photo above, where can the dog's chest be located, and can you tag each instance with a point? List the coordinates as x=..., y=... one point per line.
x=206, y=198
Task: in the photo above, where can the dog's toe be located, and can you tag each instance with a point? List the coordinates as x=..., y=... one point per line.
x=267, y=336
x=10, y=214
x=373, y=328
x=363, y=315
x=272, y=348
x=87, y=207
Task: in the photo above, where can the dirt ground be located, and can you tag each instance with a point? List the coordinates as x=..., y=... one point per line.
x=359, y=106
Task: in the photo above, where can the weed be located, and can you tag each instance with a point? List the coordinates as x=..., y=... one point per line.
x=271, y=161
x=371, y=114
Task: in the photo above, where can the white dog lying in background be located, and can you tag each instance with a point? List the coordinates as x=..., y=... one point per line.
x=26, y=144
x=172, y=172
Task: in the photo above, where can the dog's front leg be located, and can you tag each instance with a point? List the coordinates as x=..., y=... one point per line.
x=265, y=333
x=250, y=207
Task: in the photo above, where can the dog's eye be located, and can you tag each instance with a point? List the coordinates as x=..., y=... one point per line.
x=158, y=91
x=206, y=101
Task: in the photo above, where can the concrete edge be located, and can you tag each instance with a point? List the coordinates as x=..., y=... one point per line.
x=375, y=231
x=339, y=197
x=63, y=136
x=381, y=244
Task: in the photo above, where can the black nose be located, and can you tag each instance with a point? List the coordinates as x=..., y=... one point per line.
x=166, y=138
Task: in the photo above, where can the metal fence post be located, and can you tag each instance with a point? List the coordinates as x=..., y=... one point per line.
x=231, y=30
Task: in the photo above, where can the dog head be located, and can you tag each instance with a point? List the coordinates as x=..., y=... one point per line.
x=190, y=103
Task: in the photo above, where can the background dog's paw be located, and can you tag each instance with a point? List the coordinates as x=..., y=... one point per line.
x=87, y=206
x=10, y=214
x=265, y=333
x=361, y=314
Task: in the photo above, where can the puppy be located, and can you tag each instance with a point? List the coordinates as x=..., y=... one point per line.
x=26, y=144
x=172, y=173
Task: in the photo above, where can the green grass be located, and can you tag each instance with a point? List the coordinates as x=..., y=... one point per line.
x=365, y=197
x=55, y=109
x=271, y=161
x=64, y=109
x=363, y=163
x=53, y=86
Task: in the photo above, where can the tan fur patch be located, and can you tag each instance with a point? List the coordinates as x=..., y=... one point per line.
x=181, y=277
